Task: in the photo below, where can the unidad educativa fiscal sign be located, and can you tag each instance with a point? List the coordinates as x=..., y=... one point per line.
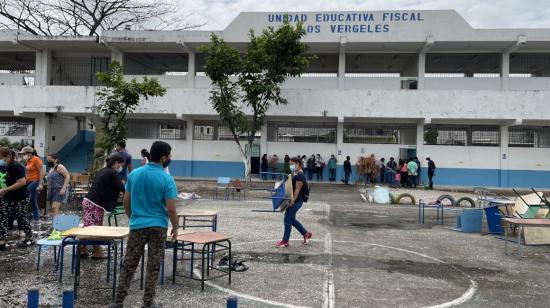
x=347, y=22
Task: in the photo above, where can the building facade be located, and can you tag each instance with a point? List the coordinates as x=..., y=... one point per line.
x=392, y=83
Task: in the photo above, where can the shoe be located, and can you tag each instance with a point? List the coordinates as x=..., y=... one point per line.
x=26, y=243
x=3, y=247
x=282, y=244
x=307, y=237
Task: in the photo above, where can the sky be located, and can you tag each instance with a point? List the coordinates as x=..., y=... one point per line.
x=217, y=14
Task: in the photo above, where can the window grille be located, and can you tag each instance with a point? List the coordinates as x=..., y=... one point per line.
x=16, y=126
x=167, y=129
x=380, y=134
x=214, y=130
x=529, y=136
x=471, y=135
x=301, y=132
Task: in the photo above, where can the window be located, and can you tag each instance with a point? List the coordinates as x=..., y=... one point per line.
x=16, y=126
x=462, y=135
x=214, y=130
x=448, y=65
x=168, y=129
x=529, y=136
x=379, y=134
x=525, y=65
x=301, y=132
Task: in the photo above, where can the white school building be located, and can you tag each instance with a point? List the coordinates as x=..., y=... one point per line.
x=391, y=83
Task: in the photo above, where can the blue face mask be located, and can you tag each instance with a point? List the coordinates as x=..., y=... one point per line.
x=293, y=168
x=2, y=162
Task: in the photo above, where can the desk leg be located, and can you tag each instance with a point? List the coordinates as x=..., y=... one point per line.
x=202, y=268
x=230, y=269
x=115, y=268
x=77, y=271
x=506, y=238
x=142, y=271
x=174, y=261
x=192, y=260
x=520, y=230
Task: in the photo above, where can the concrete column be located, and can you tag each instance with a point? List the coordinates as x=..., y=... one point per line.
x=420, y=153
x=340, y=155
x=117, y=55
x=43, y=68
x=342, y=63
x=504, y=159
x=191, y=70
x=189, y=141
x=263, y=141
x=421, y=70
x=505, y=71
x=40, y=135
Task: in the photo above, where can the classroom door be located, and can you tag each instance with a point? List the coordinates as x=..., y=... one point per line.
x=254, y=158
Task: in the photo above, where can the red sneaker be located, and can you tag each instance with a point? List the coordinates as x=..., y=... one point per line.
x=307, y=237
x=282, y=244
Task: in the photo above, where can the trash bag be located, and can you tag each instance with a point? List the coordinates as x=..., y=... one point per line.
x=381, y=195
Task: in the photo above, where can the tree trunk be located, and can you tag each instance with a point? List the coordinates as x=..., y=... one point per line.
x=246, y=162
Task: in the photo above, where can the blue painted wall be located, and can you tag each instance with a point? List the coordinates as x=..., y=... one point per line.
x=444, y=176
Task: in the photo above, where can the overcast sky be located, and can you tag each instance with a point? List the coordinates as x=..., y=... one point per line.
x=479, y=13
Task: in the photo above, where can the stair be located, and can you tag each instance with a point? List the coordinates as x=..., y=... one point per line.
x=77, y=154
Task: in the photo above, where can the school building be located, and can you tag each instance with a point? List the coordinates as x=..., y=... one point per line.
x=391, y=83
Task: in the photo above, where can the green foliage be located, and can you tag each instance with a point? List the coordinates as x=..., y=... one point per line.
x=6, y=143
x=117, y=98
x=430, y=136
x=252, y=81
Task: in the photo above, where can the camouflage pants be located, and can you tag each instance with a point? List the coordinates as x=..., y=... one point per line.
x=154, y=237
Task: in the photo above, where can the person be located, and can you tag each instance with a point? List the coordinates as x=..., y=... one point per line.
x=304, y=163
x=273, y=164
x=419, y=170
x=264, y=165
x=332, y=168
x=431, y=170
x=382, y=170
x=58, y=181
x=311, y=167
x=299, y=185
x=347, y=170
x=102, y=197
x=127, y=167
x=35, y=175
x=149, y=200
x=391, y=166
x=286, y=164
x=319, y=165
x=403, y=172
x=412, y=169
x=145, y=157
x=15, y=198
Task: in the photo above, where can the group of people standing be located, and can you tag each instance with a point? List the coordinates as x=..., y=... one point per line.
x=312, y=166
x=406, y=172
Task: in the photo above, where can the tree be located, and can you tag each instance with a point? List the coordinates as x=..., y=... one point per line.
x=252, y=82
x=117, y=98
x=90, y=17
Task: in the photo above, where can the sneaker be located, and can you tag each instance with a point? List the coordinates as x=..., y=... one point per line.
x=282, y=244
x=307, y=237
x=3, y=247
x=26, y=243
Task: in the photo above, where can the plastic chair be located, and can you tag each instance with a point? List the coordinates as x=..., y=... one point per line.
x=222, y=183
x=119, y=210
x=61, y=223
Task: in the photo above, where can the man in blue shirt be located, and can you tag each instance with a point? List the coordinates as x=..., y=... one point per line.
x=149, y=200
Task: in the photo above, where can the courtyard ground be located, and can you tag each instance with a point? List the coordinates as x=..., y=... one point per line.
x=362, y=255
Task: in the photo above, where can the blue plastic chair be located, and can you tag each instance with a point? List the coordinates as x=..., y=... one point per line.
x=223, y=183
x=60, y=223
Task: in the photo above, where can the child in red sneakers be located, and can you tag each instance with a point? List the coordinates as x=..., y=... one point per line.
x=301, y=193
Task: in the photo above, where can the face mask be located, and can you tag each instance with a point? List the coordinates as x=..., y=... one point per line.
x=166, y=163
x=26, y=157
x=2, y=162
x=119, y=169
x=293, y=168
x=50, y=164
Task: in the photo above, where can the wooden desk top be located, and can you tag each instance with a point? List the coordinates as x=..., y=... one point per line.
x=529, y=221
x=203, y=237
x=196, y=213
x=180, y=232
x=101, y=233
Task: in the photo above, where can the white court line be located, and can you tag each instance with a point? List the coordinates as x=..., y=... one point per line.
x=328, y=285
x=466, y=296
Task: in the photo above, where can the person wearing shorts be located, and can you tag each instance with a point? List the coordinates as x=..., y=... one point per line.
x=58, y=181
